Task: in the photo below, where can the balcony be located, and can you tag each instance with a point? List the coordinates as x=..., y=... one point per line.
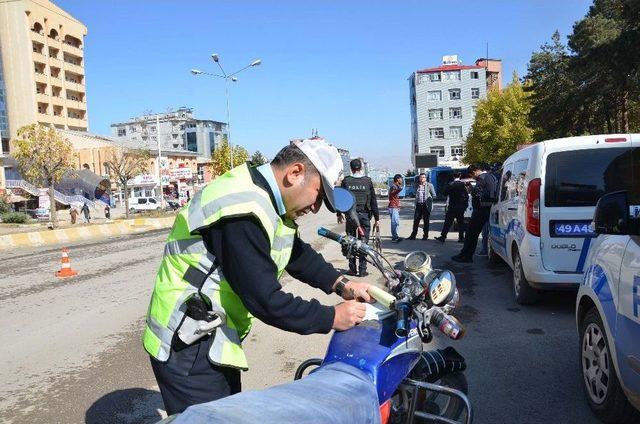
x=75, y=104
x=42, y=98
x=76, y=69
x=36, y=36
x=54, y=61
x=41, y=77
x=74, y=86
x=39, y=57
x=59, y=120
x=73, y=49
x=75, y=122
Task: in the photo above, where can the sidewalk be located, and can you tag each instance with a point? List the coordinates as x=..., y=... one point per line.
x=77, y=232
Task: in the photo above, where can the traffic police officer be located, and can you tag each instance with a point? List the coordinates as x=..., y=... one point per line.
x=223, y=258
x=366, y=206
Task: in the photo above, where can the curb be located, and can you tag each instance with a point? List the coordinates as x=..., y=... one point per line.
x=69, y=235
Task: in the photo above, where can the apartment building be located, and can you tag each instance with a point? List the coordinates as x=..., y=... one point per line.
x=442, y=103
x=42, y=60
x=176, y=130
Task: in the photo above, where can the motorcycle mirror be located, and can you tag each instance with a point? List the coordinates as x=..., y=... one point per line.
x=442, y=289
x=343, y=199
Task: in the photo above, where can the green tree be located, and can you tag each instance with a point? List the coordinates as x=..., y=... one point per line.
x=126, y=164
x=258, y=159
x=43, y=156
x=221, y=157
x=501, y=124
x=410, y=173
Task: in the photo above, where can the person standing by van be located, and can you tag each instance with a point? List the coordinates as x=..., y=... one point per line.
x=482, y=197
x=86, y=213
x=458, y=203
x=424, y=204
x=394, y=206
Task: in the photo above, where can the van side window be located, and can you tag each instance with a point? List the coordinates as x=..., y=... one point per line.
x=142, y=201
x=505, y=181
x=580, y=177
x=519, y=176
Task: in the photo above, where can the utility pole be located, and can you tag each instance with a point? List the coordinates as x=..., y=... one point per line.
x=159, y=160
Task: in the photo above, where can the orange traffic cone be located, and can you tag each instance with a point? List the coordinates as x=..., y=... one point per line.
x=65, y=269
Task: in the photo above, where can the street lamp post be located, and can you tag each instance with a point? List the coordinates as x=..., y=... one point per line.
x=227, y=79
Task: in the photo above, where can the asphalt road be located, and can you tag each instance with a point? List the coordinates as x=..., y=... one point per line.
x=72, y=351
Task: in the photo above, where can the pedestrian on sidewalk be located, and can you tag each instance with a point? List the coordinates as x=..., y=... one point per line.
x=366, y=206
x=86, y=213
x=457, y=204
x=424, y=204
x=394, y=206
x=74, y=214
x=222, y=263
x=107, y=212
x=482, y=197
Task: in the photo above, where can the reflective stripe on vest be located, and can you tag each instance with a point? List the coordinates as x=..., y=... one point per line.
x=187, y=266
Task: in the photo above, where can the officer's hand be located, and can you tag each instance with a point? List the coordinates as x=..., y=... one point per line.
x=347, y=315
x=340, y=219
x=358, y=291
x=376, y=224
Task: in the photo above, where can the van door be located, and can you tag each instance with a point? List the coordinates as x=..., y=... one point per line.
x=628, y=319
x=497, y=220
x=573, y=181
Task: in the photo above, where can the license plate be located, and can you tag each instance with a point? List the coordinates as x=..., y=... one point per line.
x=572, y=229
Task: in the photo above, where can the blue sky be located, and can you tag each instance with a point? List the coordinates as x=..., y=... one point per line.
x=339, y=66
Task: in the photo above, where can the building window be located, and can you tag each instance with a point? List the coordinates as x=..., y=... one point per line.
x=475, y=93
x=474, y=75
x=434, y=96
x=455, y=132
x=455, y=113
x=451, y=75
x=212, y=141
x=457, y=151
x=434, y=77
x=122, y=132
x=192, y=142
x=437, y=150
x=435, y=113
x=454, y=94
x=436, y=132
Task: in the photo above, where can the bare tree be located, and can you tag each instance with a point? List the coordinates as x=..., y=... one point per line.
x=126, y=164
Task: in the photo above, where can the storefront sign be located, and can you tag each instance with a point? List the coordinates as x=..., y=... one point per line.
x=181, y=173
x=144, y=179
x=43, y=198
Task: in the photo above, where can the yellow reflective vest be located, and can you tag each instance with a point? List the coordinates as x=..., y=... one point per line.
x=187, y=265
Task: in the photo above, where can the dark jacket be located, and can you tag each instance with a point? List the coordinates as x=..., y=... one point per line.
x=484, y=193
x=458, y=195
x=365, y=194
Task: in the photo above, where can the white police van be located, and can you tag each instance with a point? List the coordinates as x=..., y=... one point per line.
x=608, y=305
x=540, y=224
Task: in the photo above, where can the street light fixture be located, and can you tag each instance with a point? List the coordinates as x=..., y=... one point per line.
x=226, y=77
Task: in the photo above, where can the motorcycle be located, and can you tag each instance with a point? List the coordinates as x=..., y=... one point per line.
x=413, y=385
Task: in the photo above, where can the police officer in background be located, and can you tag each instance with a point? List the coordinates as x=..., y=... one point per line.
x=366, y=205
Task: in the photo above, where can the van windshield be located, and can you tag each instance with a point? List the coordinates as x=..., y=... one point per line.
x=580, y=177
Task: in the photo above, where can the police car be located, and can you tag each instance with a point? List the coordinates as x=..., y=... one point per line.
x=608, y=308
x=540, y=225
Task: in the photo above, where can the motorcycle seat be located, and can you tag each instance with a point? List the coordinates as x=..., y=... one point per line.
x=336, y=393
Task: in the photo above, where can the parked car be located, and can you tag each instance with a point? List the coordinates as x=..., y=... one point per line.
x=608, y=308
x=139, y=204
x=540, y=224
x=41, y=214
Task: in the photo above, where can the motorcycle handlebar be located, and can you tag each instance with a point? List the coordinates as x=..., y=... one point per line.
x=402, y=311
x=329, y=234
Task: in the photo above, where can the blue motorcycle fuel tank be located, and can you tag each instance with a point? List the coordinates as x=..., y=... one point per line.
x=373, y=347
